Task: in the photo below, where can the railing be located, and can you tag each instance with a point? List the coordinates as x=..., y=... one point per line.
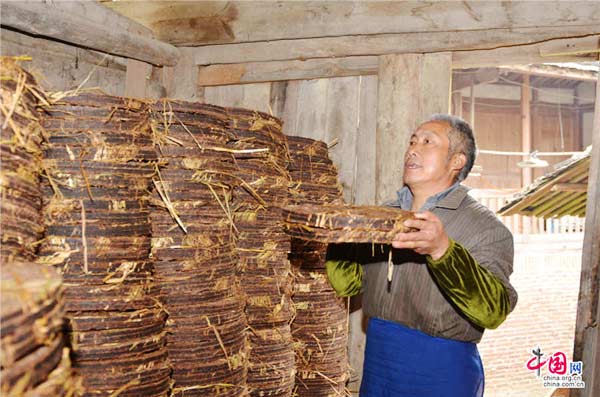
x=518, y=224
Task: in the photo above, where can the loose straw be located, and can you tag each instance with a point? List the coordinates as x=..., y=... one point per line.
x=84, y=238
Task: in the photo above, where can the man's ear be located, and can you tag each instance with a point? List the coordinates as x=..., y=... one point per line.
x=458, y=161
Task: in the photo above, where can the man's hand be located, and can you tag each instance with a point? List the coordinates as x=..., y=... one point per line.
x=430, y=238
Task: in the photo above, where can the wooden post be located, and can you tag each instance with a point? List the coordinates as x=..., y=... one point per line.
x=411, y=87
x=472, y=107
x=457, y=104
x=180, y=80
x=364, y=165
x=526, y=172
x=136, y=78
x=587, y=335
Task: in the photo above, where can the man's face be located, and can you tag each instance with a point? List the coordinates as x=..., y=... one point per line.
x=426, y=163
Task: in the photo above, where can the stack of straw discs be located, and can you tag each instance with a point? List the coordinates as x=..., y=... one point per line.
x=99, y=163
x=194, y=250
x=345, y=223
x=314, y=177
x=33, y=359
x=33, y=356
x=320, y=328
x=263, y=248
x=20, y=154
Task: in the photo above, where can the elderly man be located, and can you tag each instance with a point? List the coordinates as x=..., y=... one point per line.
x=450, y=276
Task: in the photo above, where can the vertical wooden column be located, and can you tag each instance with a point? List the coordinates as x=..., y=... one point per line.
x=587, y=335
x=136, y=78
x=472, y=106
x=526, y=173
x=457, y=109
x=411, y=87
x=180, y=81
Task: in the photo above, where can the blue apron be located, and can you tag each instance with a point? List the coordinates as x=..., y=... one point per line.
x=403, y=362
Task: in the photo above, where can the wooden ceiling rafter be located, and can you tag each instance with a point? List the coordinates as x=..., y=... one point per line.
x=46, y=20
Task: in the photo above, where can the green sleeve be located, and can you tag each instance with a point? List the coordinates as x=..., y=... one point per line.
x=473, y=289
x=345, y=276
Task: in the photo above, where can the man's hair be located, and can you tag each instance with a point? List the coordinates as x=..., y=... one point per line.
x=461, y=141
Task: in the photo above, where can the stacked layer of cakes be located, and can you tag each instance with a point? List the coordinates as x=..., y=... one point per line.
x=263, y=248
x=194, y=250
x=99, y=163
x=320, y=326
x=33, y=358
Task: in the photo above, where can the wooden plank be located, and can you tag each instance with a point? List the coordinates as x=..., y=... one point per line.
x=228, y=95
x=61, y=67
x=290, y=108
x=582, y=49
x=28, y=45
x=257, y=97
x=380, y=44
x=570, y=187
x=278, y=97
x=411, y=87
x=465, y=79
x=587, y=335
x=100, y=14
x=364, y=170
x=254, y=72
x=211, y=22
x=136, y=78
x=311, y=112
x=342, y=127
x=41, y=19
x=553, y=71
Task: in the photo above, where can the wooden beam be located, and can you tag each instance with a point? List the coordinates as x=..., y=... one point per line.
x=98, y=13
x=211, y=22
x=553, y=72
x=583, y=49
x=570, y=187
x=411, y=87
x=41, y=19
x=54, y=49
x=475, y=77
x=380, y=44
x=256, y=72
x=587, y=334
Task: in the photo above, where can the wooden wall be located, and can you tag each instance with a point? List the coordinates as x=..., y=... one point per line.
x=497, y=127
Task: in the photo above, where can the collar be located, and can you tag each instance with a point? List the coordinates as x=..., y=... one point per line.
x=449, y=198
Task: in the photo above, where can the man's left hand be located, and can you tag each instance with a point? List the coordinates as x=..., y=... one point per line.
x=429, y=239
